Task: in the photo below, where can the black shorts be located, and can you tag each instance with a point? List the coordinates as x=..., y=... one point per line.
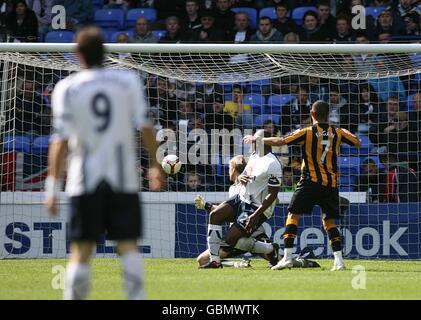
x=308, y=194
x=242, y=210
x=118, y=215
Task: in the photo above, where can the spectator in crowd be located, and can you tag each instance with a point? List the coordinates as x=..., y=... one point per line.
x=192, y=15
x=415, y=118
x=384, y=37
x=412, y=24
x=367, y=108
x=288, y=182
x=31, y=117
x=78, y=12
x=311, y=31
x=292, y=37
x=398, y=136
x=22, y=23
x=385, y=24
x=196, y=122
x=239, y=111
x=208, y=32
x=44, y=11
x=318, y=88
x=174, y=34
x=194, y=182
x=400, y=10
x=142, y=33
x=297, y=113
x=206, y=95
x=341, y=113
x=386, y=87
x=387, y=116
x=224, y=17
x=327, y=22
x=281, y=152
x=344, y=32
x=162, y=97
x=216, y=118
x=266, y=33
x=185, y=110
x=402, y=183
x=122, y=37
x=282, y=23
x=285, y=85
x=242, y=31
x=121, y=4
x=185, y=90
x=372, y=180
x=364, y=63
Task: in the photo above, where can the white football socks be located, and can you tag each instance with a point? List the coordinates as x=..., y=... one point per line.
x=214, y=241
x=288, y=253
x=78, y=277
x=133, y=275
x=338, y=257
x=249, y=244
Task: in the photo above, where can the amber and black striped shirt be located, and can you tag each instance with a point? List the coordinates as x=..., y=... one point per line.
x=320, y=148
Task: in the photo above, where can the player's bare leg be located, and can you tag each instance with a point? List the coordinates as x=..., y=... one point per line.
x=78, y=271
x=290, y=234
x=223, y=213
x=335, y=242
x=239, y=239
x=132, y=269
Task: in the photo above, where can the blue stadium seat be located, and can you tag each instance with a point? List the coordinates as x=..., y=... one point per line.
x=364, y=150
x=109, y=18
x=346, y=188
x=260, y=119
x=251, y=13
x=298, y=13
x=374, y=11
x=268, y=12
x=17, y=143
x=346, y=180
x=60, y=36
x=159, y=33
x=40, y=145
x=115, y=34
x=277, y=101
x=97, y=4
x=258, y=85
x=349, y=165
x=108, y=33
x=133, y=14
x=227, y=87
x=256, y=101
x=227, y=97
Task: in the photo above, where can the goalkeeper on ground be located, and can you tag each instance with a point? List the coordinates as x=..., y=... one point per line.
x=236, y=167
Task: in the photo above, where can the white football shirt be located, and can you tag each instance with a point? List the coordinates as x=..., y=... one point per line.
x=97, y=111
x=264, y=172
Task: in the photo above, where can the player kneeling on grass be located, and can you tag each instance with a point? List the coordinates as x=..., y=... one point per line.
x=236, y=167
x=253, y=205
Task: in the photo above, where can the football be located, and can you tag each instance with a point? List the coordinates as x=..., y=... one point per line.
x=171, y=164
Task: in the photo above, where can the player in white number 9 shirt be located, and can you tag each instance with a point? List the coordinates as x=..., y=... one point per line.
x=95, y=116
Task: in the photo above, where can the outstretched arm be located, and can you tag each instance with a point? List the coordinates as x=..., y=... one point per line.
x=272, y=141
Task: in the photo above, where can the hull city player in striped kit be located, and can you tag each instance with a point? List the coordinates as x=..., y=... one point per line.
x=319, y=179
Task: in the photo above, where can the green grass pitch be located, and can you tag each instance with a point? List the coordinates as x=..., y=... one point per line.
x=180, y=279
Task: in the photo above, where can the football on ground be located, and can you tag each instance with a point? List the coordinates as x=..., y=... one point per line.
x=171, y=164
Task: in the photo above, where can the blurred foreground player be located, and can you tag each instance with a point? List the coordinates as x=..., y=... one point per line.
x=95, y=116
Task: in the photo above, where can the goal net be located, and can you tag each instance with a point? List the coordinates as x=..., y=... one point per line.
x=202, y=100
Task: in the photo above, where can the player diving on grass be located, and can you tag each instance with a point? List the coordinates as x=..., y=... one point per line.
x=236, y=166
x=252, y=205
x=319, y=179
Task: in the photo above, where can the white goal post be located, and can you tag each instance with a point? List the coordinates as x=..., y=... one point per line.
x=192, y=90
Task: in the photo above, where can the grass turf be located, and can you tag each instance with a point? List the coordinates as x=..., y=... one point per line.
x=180, y=279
